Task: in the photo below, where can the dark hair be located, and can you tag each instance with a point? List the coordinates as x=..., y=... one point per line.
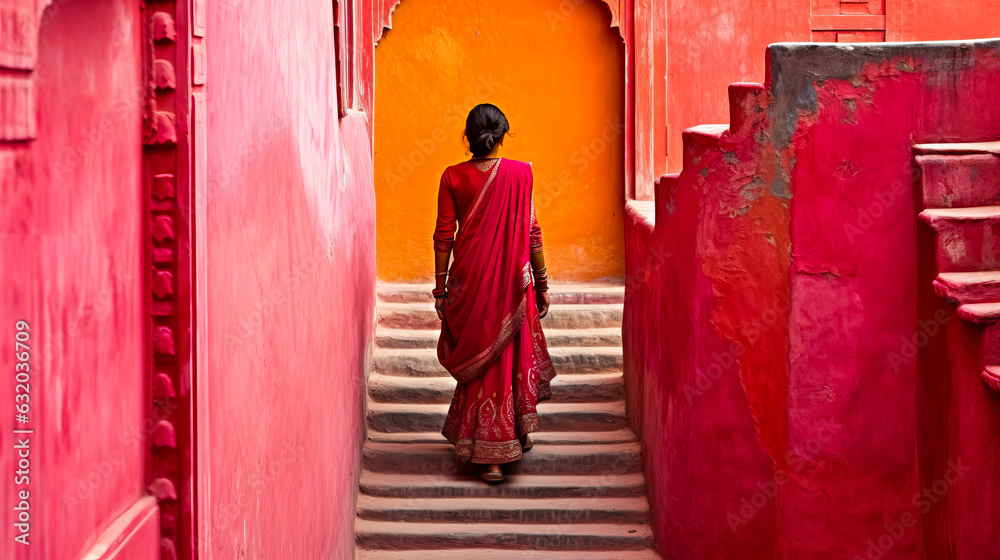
x=484, y=127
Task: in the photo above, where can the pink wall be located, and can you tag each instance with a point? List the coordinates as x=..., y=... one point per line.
x=855, y=293
x=790, y=278
x=71, y=255
x=289, y=284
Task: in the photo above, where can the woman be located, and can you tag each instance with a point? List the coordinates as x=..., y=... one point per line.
x=491, y=337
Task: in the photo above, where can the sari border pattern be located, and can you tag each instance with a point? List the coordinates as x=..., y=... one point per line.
x=482, y=192
x=477, y=365
x=488, y=452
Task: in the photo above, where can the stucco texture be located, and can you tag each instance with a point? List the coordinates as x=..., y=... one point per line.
x=290, y=280
x=71, y=256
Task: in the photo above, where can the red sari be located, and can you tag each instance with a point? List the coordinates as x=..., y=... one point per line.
x=491, y=337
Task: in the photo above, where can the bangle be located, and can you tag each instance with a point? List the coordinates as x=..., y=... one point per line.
x=445, y=273
x=439, y=293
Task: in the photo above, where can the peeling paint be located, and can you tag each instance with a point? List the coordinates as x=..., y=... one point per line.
x=797, y=315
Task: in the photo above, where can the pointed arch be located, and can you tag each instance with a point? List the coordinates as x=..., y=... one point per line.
x=619, y=10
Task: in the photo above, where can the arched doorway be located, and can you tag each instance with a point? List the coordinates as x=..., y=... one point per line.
x=559, y=75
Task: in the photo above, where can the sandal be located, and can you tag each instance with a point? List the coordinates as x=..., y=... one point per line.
x=526, y=442
x=491, y=476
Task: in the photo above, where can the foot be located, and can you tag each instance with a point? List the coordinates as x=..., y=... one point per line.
x=526, y=442
x=492, y=474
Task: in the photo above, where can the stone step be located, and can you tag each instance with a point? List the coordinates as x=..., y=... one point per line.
x=968, y=287
x=991, y=376
x=504, y=510
x=980, y=313
x=408, y=537
x=598, y=292
x=955, y=181
x=496, y=554
x=744, y=104
x=564, y=316
x=423, y=362
x=597, y=460
x=552, y=417
x=410, y=486
x=968, y=239
x=707, y=134
x=698, y=141
x=622, y=435
x=590, y=387
x=428, y=338
x=959, y=148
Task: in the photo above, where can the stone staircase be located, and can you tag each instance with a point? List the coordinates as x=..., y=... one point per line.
x=578, y=493
x=966, y=218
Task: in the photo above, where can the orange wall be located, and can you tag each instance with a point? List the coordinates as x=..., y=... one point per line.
x=556, y=69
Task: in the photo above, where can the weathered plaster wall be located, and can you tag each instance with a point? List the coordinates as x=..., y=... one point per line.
x=772, y=344
x=855, y=288
x=556, y=69
x=713, y=44
x=71, y=255
x=290, y=278
x=705, y=341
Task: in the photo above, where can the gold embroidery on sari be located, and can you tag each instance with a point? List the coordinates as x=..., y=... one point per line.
x=479, y=197
x=475, y=366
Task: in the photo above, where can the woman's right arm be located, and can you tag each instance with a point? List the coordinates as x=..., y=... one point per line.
x=444, y=240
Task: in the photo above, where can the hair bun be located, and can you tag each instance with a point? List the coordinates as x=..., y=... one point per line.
x=485, y=126
x=487, y=139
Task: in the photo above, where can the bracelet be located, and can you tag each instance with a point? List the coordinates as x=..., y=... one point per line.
x=445, y=273
x=541, y=281
x=541, y=271
x=439, y=293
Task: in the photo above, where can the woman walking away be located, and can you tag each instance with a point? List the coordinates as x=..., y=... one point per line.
x=491, y=337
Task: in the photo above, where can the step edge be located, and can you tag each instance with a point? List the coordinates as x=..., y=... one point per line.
x=958, y=148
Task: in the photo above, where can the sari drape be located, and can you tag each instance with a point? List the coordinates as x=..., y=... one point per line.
x=491, y=338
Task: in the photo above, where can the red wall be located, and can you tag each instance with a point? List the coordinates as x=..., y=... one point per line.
x=712, y=44
x=855, y=293
x=289, y=281
x=790, y=277
x=71, y=256
x=705, y=336
x=940, y=20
